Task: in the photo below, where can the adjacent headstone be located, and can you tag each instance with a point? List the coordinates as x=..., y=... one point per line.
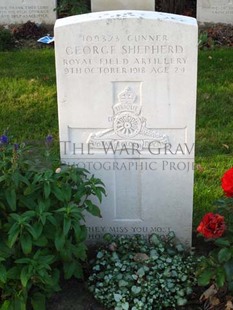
x=215, y=11
x=108, y=5
x=21, y=11
x=126, y=83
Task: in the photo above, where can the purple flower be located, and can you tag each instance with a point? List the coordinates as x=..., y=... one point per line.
x=49, y=139
x=3, y=139
x=16, y=146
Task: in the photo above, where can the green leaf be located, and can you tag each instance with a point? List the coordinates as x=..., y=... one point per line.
x=205, y=277
x=14, y=273
x=141, y=272
x=59, y=241
x=55, y=279
x=93, y=209
x=155, y=239
x=13, y=235
x=47, y=259
x=41, y=242
x=222, y=242
x=19, y=304
x=80, y=251
x=11, y=198
x=31, y=230
x=61, y=210
x=29, y=214
x=67, y=193
x=52, y=220
x=6, y=305
x=117, y=297
x=69, y=269
x=224, y=255
x=220, y=277
x=24, y=276
x=98, y=194
x=123, y=283
x=181, y=301
x=38, y=301
x=78, y=271
x=228, y=266
x=2, y=178
x=135, y=289
x=125, y=306
x=38, y=228
x=24, y=179
x=66, y=225
x=58, y=193
x=16, y=217
x=47, y=190
x=3, y=274
x=80, y=233
x=23, y=260
x=26, y=243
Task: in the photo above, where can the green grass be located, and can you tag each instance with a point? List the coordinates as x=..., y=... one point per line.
x=214, y=128
x=214, y=108
x=28, y=108
x=28, y=105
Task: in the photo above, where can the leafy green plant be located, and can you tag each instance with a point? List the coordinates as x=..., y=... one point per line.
x=218, y=228
x=131, y=273
x=7, y=41
x=72, y=7
x=42, y=223
x=204, y=41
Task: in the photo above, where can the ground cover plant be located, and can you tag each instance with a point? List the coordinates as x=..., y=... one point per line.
x=135, y=273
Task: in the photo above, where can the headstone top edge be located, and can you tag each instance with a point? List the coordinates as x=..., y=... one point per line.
x=126, y=14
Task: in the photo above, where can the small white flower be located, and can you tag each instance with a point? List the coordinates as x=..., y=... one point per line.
x=58, y=170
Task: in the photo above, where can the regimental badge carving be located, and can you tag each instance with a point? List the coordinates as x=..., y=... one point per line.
x=129, y=126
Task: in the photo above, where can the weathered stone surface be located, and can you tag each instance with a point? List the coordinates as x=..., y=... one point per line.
x=126, y=83
x=215, y=11
x=108, y=5
x=21, y=11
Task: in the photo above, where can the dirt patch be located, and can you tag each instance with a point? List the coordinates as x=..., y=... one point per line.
x=73, y=296
x=26, y=35
x=218, y=35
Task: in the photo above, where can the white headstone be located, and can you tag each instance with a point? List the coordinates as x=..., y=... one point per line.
x=215, y=11
x=126, y=81
x=108, y=5
x=21, y=11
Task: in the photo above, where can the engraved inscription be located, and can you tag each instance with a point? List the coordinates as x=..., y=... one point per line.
x=97, y=232
x=128, y=123
x=222, y=9
x=130, y=54
x=17, y=12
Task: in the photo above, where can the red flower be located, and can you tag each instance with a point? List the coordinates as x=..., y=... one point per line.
x=212, y=226
x=227, y=183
